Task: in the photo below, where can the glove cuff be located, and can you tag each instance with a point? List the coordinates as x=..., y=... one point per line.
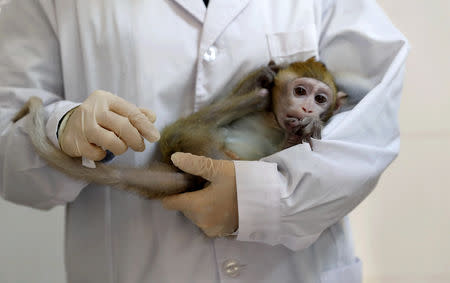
x=61, y=109
x=62, y=124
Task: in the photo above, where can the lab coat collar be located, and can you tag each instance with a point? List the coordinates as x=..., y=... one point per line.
x=218, y=15
x=195, y=7
x=215, y=19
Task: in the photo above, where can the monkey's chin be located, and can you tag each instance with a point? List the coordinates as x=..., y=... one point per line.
x=296, y=125
x=292, y=124
x=292, y=129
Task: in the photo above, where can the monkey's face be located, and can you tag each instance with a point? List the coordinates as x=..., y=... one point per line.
x=301, y=98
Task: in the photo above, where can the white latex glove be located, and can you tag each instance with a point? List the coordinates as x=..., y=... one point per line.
x=213, y=209
x=106, y=121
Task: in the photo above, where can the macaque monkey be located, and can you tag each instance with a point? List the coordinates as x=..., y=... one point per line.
x=271, y=109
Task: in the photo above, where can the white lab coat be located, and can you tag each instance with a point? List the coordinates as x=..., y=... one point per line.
x=172, y=57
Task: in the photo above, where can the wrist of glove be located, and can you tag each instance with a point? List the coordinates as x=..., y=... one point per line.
x=62, y=124
x=105, y=122
x=214, y=208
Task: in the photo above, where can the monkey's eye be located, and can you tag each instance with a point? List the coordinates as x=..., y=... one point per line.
x=299, y=90
x=320, y=98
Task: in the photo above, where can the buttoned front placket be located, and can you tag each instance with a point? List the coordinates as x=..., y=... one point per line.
x=231, y=263
x=212, y=54
x=218, y=16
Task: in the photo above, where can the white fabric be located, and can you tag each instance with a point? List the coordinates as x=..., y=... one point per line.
x=61, y=108
x=292, y=204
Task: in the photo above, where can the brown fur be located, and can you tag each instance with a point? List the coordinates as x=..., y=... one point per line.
x=202, y=133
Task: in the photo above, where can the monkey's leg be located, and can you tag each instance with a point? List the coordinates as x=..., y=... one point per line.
x=156, y=181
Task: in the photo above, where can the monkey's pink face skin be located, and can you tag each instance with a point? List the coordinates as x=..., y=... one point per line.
x=301, y=98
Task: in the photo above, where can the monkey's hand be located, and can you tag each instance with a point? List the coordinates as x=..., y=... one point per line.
x=273, y=66
x=105, y=121
x=303, y=130
x=266, y=77
x=263, y=77
x=213, y=209
x=310, y=127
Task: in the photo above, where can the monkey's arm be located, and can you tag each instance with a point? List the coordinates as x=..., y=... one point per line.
x=249, y=96
x=261, y=78
x=199, y=133
x=225, y=111
x=292, y=197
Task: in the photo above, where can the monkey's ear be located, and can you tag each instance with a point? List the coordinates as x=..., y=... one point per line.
x=341, y=100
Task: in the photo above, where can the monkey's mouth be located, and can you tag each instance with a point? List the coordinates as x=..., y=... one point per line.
x=293, y=124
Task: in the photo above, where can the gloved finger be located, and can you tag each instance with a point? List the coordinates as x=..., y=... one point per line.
x=122, y=127
x=83, y=148
x=185, y=202
x=144, y=126
x=151, y=116
x=92, y=152
x=178, y=202
x=196, y=165
x=214, y=231
x=106, y=139
x=136, y=117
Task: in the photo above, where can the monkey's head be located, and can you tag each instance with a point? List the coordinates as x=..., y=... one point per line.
x=304, y=91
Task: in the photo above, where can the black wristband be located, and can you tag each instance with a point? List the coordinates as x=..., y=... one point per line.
x=109, y=156
x=59, y=124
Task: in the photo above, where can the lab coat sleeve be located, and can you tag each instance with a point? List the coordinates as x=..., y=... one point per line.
x=290, y=197
x=30, y=66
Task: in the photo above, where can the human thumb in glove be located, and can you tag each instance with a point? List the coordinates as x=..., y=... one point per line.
x=213, y=209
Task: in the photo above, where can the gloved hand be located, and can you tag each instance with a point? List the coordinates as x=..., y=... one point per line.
x=106, y=121
x=213, y=209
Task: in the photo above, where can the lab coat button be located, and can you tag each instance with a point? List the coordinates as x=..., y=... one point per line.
x=257, y=236
x=231, y=267
x=210, y=54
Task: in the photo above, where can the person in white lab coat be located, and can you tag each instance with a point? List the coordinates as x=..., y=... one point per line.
x=172, y=57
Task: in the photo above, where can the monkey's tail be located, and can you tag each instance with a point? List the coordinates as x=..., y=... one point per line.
x=156, y=181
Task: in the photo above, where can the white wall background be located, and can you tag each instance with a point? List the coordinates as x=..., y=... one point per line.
x=402, y=230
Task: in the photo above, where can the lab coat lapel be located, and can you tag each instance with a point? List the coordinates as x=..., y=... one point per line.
x=195, y=7
x=218, y=15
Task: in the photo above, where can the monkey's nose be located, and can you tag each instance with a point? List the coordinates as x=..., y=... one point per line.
x=306, y=110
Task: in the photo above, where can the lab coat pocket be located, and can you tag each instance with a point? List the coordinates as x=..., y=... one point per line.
x=351, y=273
x=299, y=45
